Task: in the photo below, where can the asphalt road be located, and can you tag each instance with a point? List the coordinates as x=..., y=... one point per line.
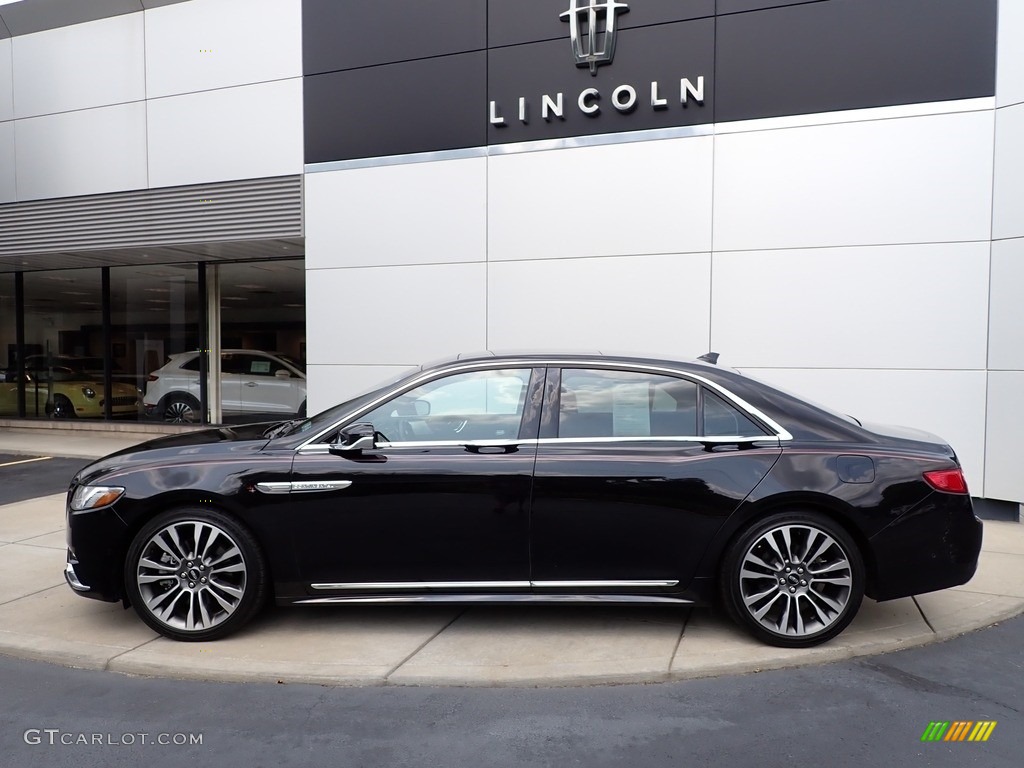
x=867, y=712
x=27, y=477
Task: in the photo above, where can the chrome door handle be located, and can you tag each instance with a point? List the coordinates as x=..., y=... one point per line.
x=251, y=384
x=492, y=446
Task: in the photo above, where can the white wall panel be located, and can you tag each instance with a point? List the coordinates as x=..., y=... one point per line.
x=333, y=384
x=950, y=404
x=654, y=304
x=95, y=64
x=872, y=307
x=7, y=186
x=1010, y=58
x=206, y=44
x=233, y=133
x=81, y=153
x=1006, y=308
x=404, y=214
x=1003, y=478
x=6, y=81
x=1007, y=220
x=394, y=316
x=649, y=197
x=911, y=180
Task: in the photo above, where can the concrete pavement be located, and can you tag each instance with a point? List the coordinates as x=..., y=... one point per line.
x=40, y=618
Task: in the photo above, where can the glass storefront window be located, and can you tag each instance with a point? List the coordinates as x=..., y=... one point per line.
x=263, y=340
x=154, y=315
x=9, y=344
x=63, y=349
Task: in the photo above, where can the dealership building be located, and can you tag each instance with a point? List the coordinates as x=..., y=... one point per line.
x=828, y=193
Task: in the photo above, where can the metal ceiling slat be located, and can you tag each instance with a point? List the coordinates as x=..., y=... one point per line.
x=244, y=210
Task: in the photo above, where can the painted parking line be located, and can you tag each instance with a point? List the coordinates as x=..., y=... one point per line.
x=26, y=461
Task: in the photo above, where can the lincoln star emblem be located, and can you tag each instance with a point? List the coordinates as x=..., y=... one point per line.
x=592, y=29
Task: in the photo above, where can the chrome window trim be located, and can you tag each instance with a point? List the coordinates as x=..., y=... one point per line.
x=781, y=433
x=450, y=585
x=724, y=440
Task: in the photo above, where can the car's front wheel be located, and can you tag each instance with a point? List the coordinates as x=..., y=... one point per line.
x=793, y=580
x=195, y=574
x=62, y=408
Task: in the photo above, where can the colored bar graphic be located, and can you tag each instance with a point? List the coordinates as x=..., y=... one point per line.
x=958, y=730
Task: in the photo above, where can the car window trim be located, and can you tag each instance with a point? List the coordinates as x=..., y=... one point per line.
x=781, y=433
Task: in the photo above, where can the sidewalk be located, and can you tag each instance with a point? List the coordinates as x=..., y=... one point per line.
x=40, y=618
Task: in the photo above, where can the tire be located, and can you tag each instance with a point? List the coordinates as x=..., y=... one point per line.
x=770, y=589
x=181, y=409
x=195, y=574
x=62, y=408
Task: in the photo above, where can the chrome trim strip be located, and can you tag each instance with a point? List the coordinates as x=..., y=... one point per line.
x=605, y=584
x=304, y=486
x=72, y=579
x=727, y=440
x=425, y=585
x=780, y=432
x=602, y=140
x=450, y=585
x=498, y=598
x=410, y=159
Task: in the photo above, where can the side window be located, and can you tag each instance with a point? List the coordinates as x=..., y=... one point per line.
x=721, y=419
x=599, y=403
x=191, y=365
x=480, y=405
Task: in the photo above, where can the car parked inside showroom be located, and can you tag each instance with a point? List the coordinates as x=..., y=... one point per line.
x=66, y=387
x=566, y=478
x=252, y=382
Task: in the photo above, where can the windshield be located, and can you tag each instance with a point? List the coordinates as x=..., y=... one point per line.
x=325, y=418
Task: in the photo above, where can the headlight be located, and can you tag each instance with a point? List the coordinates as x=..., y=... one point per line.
x=89, y=392
x=95, y=496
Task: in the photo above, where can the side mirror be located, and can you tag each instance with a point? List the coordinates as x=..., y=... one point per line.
x=282, y=373
x=354, y=439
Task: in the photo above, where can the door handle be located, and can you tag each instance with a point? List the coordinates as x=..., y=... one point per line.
x=492, y=446
x=251, y=384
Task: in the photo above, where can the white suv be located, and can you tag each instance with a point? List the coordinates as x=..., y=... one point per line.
x=251, y=382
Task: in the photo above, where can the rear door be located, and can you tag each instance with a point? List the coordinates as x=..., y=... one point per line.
x=636, y=470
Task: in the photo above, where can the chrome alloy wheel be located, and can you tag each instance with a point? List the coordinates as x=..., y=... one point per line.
x=179, y=412
x=796, y=580
x=191, y=575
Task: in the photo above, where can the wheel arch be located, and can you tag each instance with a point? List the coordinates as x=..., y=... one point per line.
x=173, y=500
x=752, y=514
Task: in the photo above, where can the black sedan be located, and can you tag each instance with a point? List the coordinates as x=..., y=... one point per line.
x=554, y=478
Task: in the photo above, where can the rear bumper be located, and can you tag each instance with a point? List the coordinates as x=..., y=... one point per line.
x=934, y=546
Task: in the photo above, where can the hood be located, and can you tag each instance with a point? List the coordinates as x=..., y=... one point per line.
x=187, y=447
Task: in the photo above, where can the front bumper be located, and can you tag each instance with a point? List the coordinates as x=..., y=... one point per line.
x=72, y=579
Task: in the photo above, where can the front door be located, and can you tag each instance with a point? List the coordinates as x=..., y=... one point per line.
x=442, y=501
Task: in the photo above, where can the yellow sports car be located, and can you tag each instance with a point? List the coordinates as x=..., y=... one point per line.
x=63, y=387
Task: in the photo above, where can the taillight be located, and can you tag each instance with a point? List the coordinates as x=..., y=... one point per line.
x=947, y=480
x=152, y=377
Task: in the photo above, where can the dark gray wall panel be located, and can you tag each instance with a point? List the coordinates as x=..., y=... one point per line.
x=395, y=109
x=665, y=53
x=851, y=54
x=344, y=34
x=738, y=6
x=510, y=22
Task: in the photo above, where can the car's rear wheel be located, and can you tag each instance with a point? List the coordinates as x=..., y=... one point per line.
x=195, y=574
x=181, y=409
x=793, y=580
x=62, y=408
